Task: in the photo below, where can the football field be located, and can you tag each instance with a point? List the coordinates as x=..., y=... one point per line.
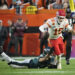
x=66, y=70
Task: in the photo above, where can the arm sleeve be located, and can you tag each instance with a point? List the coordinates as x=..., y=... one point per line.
x=42, y=27
x=49, y=23
x=69, y=28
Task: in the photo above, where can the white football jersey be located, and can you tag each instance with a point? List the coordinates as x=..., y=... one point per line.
x=43, y=27
x=55, y=29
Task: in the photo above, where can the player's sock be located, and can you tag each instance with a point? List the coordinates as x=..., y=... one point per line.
x=6, y=57
x=59, y=62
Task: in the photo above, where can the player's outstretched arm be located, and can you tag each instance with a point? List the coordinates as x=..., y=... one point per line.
x=44, y=58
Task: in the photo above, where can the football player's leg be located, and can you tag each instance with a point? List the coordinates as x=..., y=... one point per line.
x=61, y=46
x=61, y=49
x=57, y=50
x=5, y=56
x=20, y=64
x=55, y=44
x=14, y=63
x=58, y=53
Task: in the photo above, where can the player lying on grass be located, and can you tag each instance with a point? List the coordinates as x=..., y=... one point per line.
x=44, y=60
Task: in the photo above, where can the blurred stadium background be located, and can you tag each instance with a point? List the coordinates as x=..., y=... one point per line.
x=31, y=43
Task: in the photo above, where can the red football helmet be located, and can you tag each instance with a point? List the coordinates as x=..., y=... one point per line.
x=60, y=15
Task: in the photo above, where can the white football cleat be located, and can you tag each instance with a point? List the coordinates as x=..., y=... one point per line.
x=59, y=66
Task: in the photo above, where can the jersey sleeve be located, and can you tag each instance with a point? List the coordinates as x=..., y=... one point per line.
x=67, y=26
x=42, y=27
x=49, y=23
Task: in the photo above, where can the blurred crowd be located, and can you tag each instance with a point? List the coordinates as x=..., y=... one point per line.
x=47, y=4
x=35, y=4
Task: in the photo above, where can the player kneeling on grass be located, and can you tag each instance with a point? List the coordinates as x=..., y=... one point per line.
x=44, y=60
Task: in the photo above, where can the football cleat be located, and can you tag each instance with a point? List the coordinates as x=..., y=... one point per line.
x=67, y=62
x=59, y=66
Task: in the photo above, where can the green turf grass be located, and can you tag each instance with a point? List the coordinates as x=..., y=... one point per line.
x=66, y=70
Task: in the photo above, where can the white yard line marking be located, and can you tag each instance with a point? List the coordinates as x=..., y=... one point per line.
x=33, y=57
x=30, y=58
x=34, y=72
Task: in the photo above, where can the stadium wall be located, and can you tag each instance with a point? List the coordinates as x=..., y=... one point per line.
x=31, y=42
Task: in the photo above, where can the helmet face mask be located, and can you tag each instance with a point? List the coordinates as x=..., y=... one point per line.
x=60, y=19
